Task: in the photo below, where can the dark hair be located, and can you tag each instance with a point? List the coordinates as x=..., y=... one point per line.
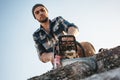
x=36, y=5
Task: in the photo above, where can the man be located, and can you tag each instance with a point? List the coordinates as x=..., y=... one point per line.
x=47, y=35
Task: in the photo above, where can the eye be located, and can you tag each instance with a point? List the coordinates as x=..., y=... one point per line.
x=37, y=12
x=42, y=10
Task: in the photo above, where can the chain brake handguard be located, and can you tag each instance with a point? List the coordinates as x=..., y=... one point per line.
x=66, y=43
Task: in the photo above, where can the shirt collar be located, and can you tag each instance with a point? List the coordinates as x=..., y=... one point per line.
x=41, y=27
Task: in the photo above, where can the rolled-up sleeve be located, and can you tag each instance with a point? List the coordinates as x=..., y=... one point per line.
x=67, y=24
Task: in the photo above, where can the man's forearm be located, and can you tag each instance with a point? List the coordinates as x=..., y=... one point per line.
x=73, y=31
x=46, y=57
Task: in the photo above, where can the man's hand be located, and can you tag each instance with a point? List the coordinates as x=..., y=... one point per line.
x=73, y=31
x=46, y=57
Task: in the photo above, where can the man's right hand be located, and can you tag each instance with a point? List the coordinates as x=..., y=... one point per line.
x=46, y=57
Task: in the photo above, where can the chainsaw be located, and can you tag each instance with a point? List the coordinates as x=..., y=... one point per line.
x=65, y=51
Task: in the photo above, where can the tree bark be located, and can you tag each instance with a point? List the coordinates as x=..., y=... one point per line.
x=101, y=62
x=113, y=74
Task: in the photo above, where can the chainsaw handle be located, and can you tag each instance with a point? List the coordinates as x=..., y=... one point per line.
x=83, y=50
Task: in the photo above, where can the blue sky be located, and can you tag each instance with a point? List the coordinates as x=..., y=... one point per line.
x=98, y=22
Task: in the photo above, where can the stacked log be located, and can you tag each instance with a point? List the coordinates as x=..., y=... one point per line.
x=105, y=61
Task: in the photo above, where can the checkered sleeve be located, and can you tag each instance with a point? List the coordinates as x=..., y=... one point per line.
x=38, y=46
x=66, y=24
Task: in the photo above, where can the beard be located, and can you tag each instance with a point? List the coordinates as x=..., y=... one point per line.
x=43, y=21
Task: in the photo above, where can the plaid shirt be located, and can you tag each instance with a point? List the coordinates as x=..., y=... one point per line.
x=44, y=41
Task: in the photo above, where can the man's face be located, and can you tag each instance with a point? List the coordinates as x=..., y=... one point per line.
x=41, y=14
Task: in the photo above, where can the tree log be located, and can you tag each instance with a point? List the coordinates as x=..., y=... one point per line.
x=105, y=61
x=113, y=74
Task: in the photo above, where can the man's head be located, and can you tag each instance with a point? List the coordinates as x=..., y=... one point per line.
x=40, y=12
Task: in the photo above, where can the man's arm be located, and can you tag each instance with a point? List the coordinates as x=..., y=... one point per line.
x=70, y=28
x=46, y=57
x=73, y=31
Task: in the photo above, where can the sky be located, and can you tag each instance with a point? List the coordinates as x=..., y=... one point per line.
x=98, y=22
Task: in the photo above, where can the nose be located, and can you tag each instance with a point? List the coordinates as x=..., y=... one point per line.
x=40, y=12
